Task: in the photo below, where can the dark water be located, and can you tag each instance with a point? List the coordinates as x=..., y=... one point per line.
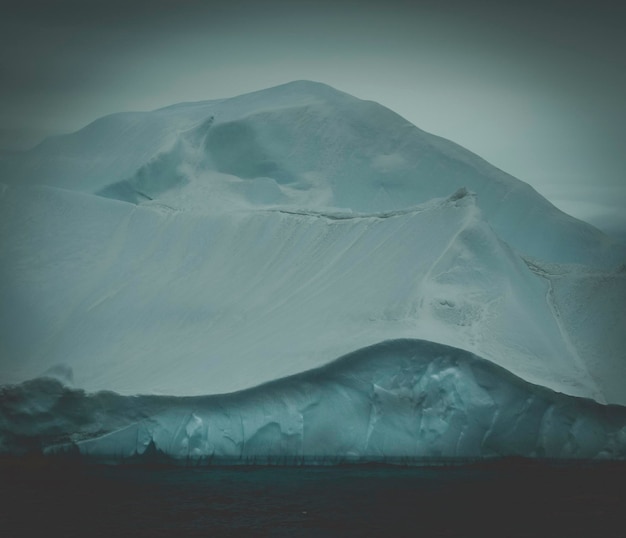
x=504, y=500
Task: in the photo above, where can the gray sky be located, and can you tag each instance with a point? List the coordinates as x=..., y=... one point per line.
x=536, y=88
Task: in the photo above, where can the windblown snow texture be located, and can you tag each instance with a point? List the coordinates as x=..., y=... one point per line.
x=209, y=247
x=402, y=400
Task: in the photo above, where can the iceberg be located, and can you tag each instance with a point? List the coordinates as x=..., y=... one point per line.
x=217, y=258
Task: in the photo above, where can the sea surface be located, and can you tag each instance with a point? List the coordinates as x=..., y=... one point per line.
x=504, y=499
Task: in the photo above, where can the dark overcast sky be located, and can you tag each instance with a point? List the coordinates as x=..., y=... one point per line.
x=536, y=88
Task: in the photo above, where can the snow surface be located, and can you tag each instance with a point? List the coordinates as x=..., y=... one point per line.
x=208, y=247
x=399, y=400
x=138, y=299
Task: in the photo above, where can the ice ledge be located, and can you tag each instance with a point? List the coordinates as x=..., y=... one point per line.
x=460, y=198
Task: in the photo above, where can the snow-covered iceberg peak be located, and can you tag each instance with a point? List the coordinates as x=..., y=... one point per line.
x=303, y=144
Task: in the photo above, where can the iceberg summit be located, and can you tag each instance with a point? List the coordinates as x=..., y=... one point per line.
x=296, y=275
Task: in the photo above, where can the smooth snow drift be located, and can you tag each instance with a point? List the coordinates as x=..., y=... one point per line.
x=208, y=247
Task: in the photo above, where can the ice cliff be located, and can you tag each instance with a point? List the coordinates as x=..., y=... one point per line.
x=401, y=400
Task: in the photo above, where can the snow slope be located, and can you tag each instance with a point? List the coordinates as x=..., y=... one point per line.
x=142, y=299
x=206, y=248
x=397, y=400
